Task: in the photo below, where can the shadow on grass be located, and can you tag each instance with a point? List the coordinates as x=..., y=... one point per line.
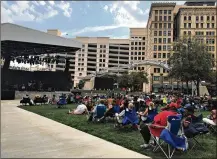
x=125, y=137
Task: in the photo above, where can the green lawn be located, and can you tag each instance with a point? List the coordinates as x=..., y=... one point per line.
x=125, y=137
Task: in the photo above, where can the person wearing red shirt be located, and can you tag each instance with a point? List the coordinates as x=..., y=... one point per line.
x=159, y=123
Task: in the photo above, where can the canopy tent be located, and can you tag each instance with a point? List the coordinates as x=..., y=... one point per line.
x=19, y=41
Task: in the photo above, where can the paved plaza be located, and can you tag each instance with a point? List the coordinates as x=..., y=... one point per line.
x=27, y=135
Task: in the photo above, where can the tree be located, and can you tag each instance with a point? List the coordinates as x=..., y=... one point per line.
x=81, y=84
x=190, y=61
x=134, y=80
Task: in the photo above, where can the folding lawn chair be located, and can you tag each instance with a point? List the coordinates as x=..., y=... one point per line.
x=172, y=135
x=198, y=129
x=62, y=102
x=130, y=117
x=150, y=116
x=100, y=111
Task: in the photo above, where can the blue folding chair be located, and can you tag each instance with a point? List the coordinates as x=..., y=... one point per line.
x=130, y=117
x=100, y=111
x=62, y=102
x=173, y=136
x=150, y=117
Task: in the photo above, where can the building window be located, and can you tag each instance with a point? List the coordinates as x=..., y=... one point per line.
x=164, y=48
x=139, y=53
x=155, y=25
x=159, y=55
x=80, y=74
x=208, y=25
x=213, y=18
x=156, y=11
x=165, y=25
x=169, y=18
x=169, y=33
x=189, y=17
x=160, y=33
x=164, y=55
x=160, y=40
x=169, y=11
x=185, y=25
x=197, y=25
x=189, y=25
x=169, y=40
x=139, y=43
x=155, y=47
x=143, y=43
x=165, y=33
x=165, y=11
x=169, y=25
x=140, y=48
x=189, y=33
x=143, y=48
x=156, y=78
x=164, y=40
x=201, y=18
x=155, y=55
x=165, y=18
x=156, y=18
x=197, y=18
x=168, y=47
x=155, y=33
x=131, y=48
x=160, y=18
x=156, y=70
x=159, y=47
x=132, y=43
x=213, y=25
x=207, y=18
x=135, y=43
x=143, y=58
x=161, y=12
x=185, y=18
x=160, y=25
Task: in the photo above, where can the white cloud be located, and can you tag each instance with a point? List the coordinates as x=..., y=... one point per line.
x=92, y=29
x=118, y=37
x=51, y=3
x=66, y=8
x=42, y=3
x=124, y=18
x=25, y=11
x=105, y=7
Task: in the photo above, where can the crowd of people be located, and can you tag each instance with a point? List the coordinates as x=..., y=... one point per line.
x=146, y=109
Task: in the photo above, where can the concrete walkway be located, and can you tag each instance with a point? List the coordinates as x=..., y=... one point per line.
x=28, y=135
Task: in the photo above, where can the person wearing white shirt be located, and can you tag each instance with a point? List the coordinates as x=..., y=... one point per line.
x=81, y=109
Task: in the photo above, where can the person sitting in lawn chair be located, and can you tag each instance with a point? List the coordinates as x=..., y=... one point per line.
x=127, y=116
x=112, y=109
x=53, y=100
x=27, y=100
x=98, y=112
x=159, y=123
x=210, y=121
x=148, y=115
x=81, y=109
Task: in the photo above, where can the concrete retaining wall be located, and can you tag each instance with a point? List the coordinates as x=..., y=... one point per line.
x=21, y=94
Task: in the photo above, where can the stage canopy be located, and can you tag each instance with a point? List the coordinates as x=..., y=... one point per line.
x=19, y=41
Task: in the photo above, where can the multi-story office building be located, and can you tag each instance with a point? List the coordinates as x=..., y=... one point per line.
x=100, y=53
x=60, y=66
x=198, y=20
x=160, y=38
x=166, y=23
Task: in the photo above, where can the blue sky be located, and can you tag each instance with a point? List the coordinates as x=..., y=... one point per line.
x=79, y=18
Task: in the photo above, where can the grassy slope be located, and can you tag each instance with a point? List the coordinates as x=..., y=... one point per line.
x=125, y=137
